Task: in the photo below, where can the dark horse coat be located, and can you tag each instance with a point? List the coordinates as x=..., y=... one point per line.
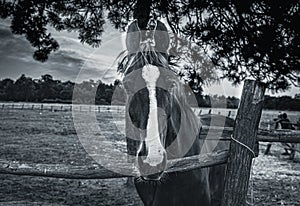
x=179, y=128
x=196, y=187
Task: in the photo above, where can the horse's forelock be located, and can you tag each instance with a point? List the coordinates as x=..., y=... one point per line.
x=138, y=60
x=139, y=53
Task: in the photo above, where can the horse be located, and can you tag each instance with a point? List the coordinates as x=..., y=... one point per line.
x=161, y=125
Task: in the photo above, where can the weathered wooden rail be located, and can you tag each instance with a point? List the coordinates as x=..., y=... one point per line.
x=281, y=135
x=98, y=172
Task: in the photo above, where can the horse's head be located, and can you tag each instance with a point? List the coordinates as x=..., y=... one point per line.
x=155, y=104
x=146, y=53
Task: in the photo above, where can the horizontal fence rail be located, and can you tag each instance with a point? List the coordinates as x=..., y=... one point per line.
x=98, y=172
x=286, y=136
x=281, y=135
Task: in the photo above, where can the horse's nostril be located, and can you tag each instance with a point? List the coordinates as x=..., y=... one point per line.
x=147, y=169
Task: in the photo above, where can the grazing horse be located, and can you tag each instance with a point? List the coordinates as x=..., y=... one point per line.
x=160, y=126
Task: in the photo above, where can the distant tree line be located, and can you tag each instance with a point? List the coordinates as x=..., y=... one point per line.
x=282, y=103
x=48, y=90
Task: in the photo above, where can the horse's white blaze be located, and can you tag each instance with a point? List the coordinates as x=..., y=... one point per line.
x=155, y=149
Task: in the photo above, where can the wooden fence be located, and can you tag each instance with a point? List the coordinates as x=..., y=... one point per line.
x=184, y=164
x=60, y=107
x=92, y=108
x=245, y=135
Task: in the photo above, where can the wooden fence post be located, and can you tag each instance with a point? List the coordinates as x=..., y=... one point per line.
x=200, y=112
x=245, y=132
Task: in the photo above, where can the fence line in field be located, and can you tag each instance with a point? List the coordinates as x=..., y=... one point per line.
x=58, y=108
x=96, y=108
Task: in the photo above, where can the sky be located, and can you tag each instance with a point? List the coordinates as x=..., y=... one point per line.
x=77, y=62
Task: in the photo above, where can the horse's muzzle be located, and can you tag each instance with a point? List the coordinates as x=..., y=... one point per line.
x=150, y=172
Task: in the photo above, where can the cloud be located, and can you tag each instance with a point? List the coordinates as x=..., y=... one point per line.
x=16, y=59
x=65, y=64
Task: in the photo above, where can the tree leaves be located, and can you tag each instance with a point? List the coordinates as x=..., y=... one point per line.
x=251, y=39
x=31, y=18
x=256, y=39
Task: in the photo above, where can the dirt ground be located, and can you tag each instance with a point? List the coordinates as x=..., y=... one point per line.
x=49, y=137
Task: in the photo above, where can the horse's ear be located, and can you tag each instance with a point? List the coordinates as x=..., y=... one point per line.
x=133, y=38
x=161, y=37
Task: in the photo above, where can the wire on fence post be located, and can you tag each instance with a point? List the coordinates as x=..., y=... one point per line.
x=246, y=146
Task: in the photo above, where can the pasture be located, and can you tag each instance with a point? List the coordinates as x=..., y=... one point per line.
x=43, y=136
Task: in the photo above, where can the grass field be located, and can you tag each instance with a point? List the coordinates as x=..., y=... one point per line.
x=50, y=137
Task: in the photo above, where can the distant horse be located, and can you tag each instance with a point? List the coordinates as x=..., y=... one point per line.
x=160, y=125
